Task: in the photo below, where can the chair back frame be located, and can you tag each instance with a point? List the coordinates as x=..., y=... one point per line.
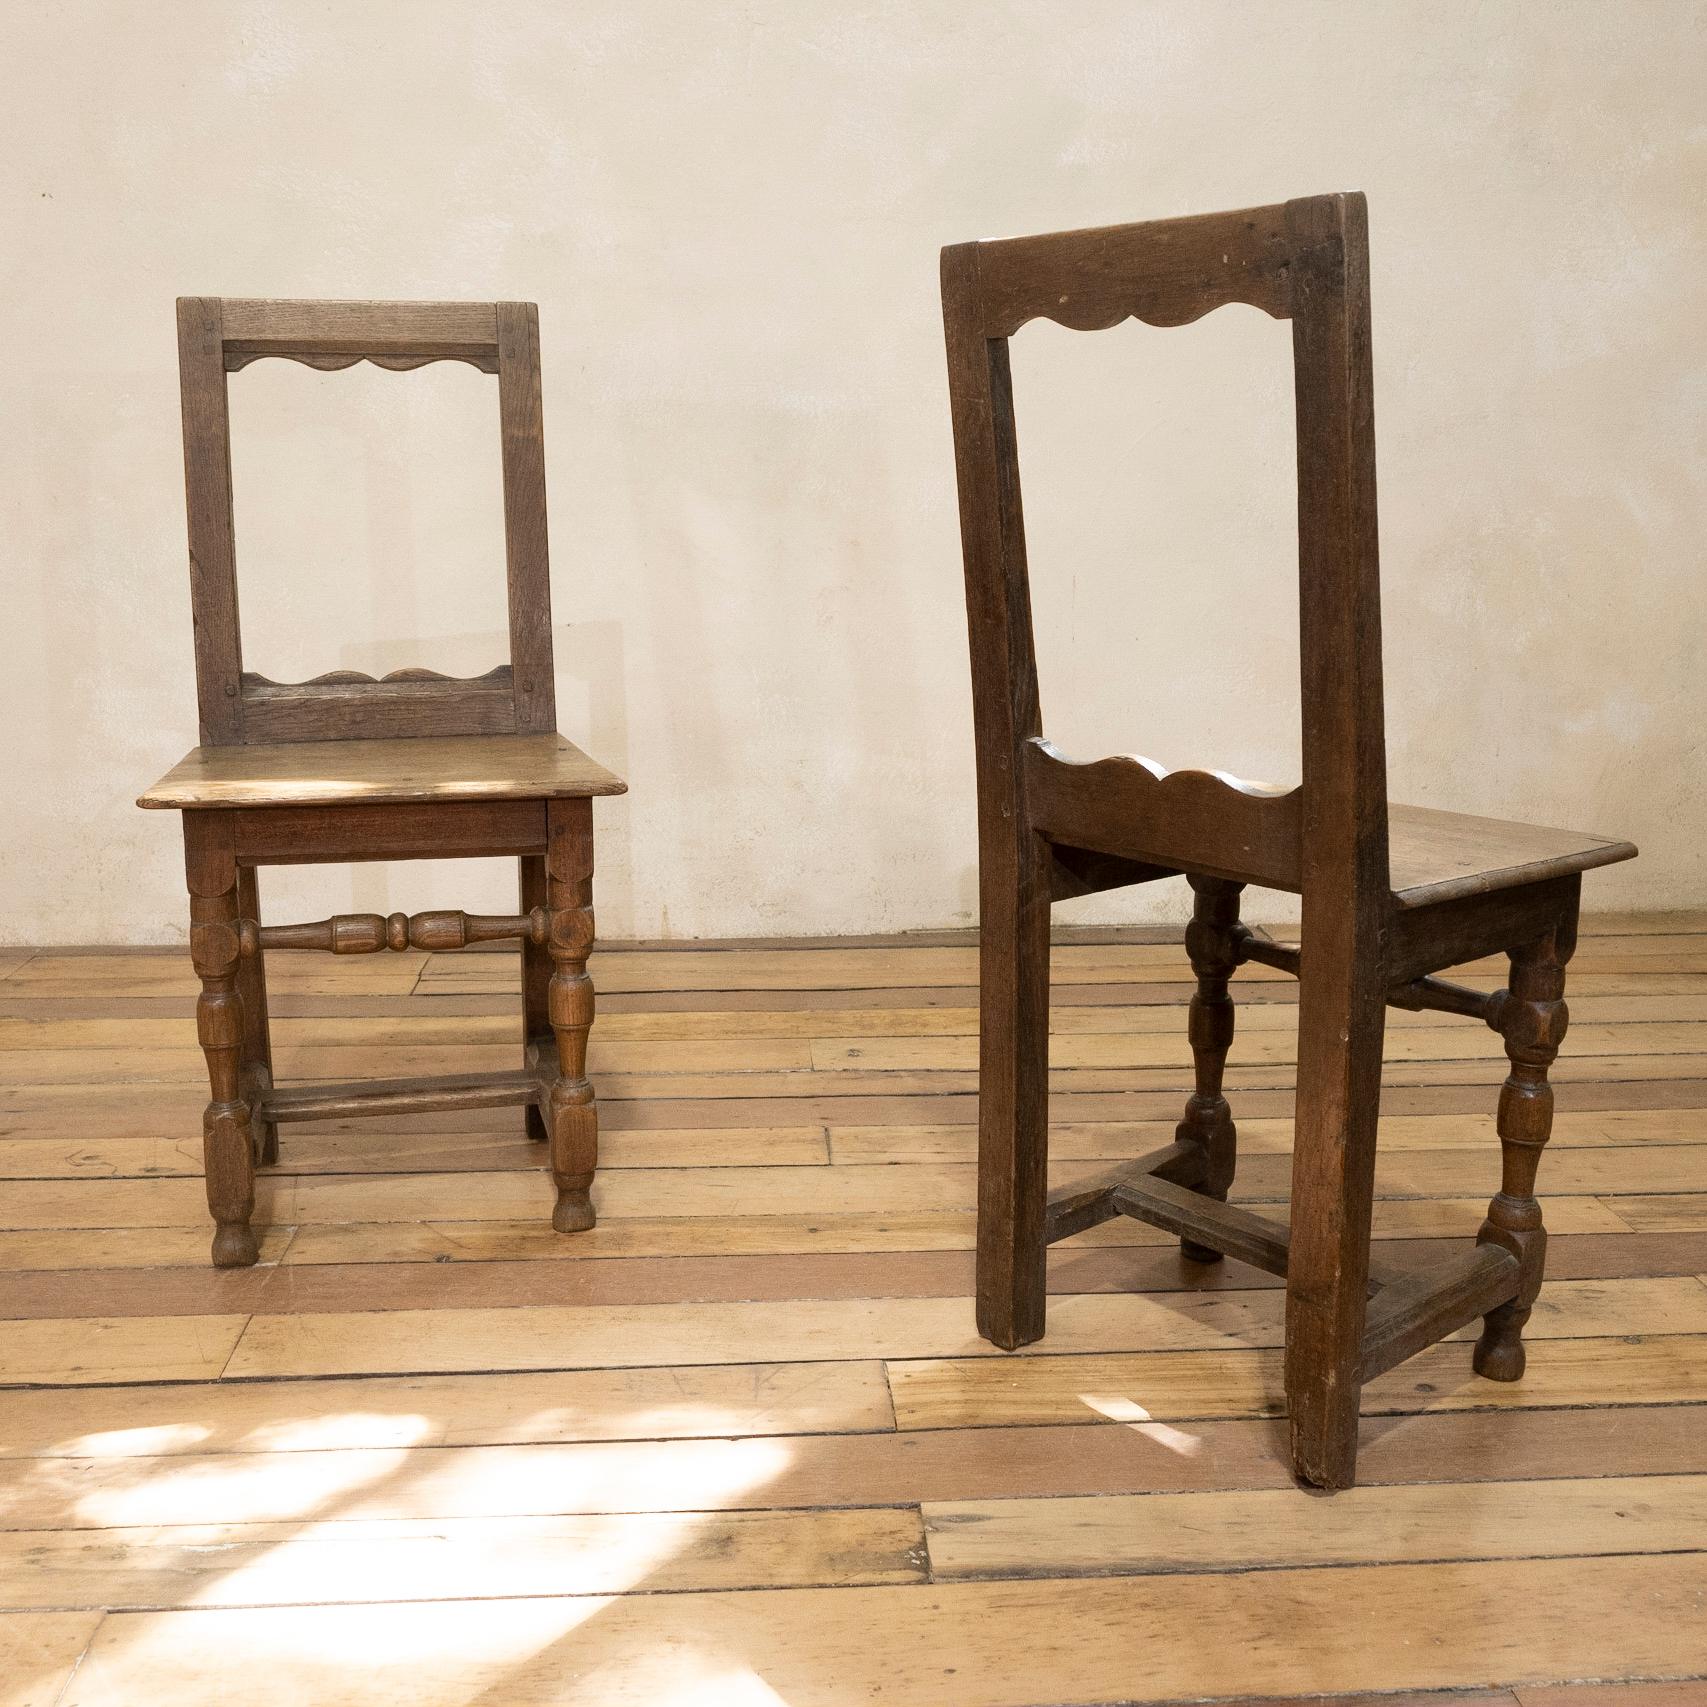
x=1303, y=260
x=217, y=336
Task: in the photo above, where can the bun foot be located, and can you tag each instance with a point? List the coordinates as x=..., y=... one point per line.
x=235, y=1246
x=574, y=1211
x=1499, y=1360
x=1499, y=1354
x=1194, y=1252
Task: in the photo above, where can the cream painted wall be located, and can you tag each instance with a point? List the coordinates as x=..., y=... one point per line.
x=729, y=216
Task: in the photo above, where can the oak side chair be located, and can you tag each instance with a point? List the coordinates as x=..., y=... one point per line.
x=346, y=768
x=1390, y=894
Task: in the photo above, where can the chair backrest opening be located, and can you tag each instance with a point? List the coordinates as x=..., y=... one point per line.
x=220, y=335
x=1305, y=261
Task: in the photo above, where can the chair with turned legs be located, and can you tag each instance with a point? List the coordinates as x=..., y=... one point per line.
x=1391, y=895
x=345, y=768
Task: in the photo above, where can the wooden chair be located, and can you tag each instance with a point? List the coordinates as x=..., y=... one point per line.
x=1390, y=895
x=343, y=768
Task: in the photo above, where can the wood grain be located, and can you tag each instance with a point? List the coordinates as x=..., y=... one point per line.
x=39, y=1652
x=94, y=1249
x=122, y=1022
x=1682, y=1694
x=904, y=1328
x=680, y=1403
x=338, y=773
x=998, y=1644
x=1132, y=1535
x=850, y=1189
x=1440, y=856
x=393, y=1560
x=118, y=1348
x=158, y=1476
x=320, y=1148
x=1182, y=1386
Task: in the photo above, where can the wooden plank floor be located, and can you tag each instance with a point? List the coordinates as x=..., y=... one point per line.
x=740, y=1444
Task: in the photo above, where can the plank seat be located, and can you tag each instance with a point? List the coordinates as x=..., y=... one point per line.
x=1215, y=825
x=403, y=770
x=1438, y=856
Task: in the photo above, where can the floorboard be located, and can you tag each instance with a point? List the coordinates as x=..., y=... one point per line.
x=1005, y=1644
x=740, y=1444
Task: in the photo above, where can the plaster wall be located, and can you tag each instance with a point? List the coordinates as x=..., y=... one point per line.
x=730, y=217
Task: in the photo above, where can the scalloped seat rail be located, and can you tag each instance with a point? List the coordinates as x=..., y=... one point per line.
x=1188, y=820
x=1219, y=826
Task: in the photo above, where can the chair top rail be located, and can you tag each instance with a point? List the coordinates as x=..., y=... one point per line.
x=217, y=335
x=1164, y=272
x=338, y=334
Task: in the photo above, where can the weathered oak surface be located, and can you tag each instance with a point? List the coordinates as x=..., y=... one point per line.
x=1439, y=856
x=340, y=773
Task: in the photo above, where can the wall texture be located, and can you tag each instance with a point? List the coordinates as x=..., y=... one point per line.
x=729, y=215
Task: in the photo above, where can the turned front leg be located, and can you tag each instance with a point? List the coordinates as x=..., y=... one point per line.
x=257, y=1037
x=1211, y=942
x=539, y=1046
x=571, y=1114
x=1531, y=1016
x=227, y=1145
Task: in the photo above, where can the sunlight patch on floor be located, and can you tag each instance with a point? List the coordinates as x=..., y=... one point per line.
x=511, y=1634
x=359, y=1430
x=1128, y=1411
x=134, y=1442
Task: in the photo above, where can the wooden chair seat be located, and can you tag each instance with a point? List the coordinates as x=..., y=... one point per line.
x=339, y=773
x=1214, y=824
x=1435, y=857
